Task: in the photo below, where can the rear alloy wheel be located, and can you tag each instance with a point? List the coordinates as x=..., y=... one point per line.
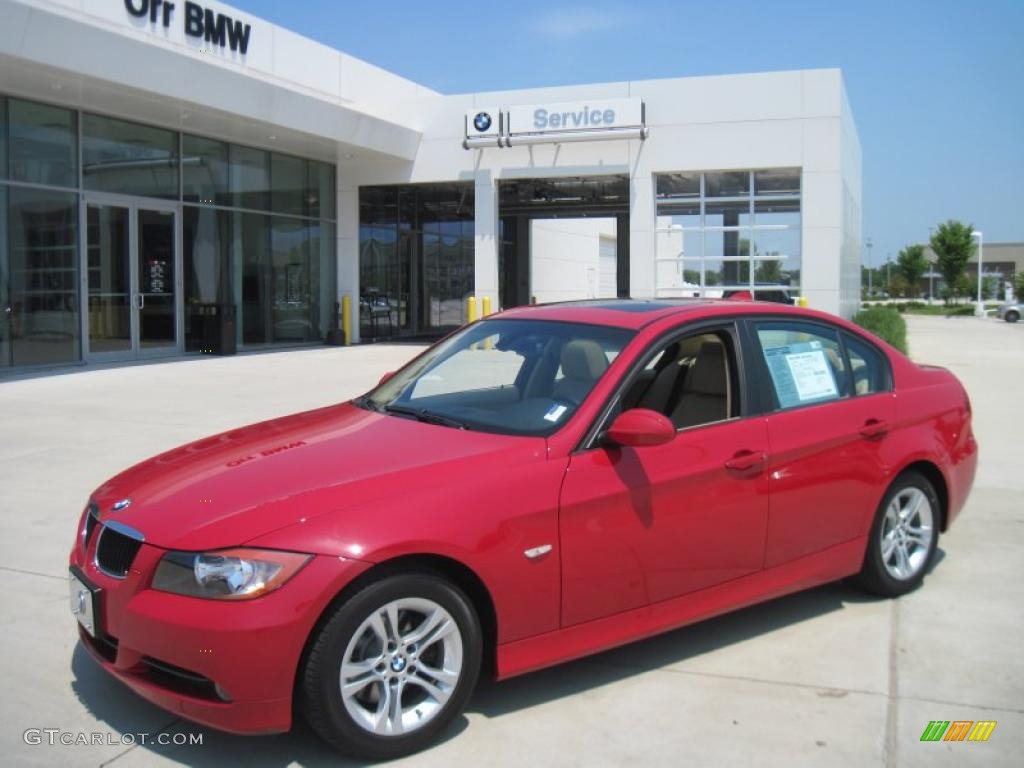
x=904, y=537
x=392, y=667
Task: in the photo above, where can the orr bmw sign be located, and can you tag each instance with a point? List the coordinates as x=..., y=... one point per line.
x=555, y=123
x=199, y=22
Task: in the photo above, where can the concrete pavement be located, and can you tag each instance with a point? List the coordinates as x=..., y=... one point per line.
x=826, y=677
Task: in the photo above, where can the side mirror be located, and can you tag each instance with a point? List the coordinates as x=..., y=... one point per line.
x=640, y=426
x=385, y=377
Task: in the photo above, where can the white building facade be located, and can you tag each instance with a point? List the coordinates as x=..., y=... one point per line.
x=182, y=176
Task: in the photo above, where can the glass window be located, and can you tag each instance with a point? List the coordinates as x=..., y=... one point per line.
x=472, y=379
x=5, y=301
x=727, y=214
x=206, y=251
x=804, y=362
x=322, y=278
x=422, y=230
x=868, y=366
x=726, y=273
x=250, y=178
x=291, y=309
x=728, y=244
x=251, y=256
x=777, y=181
x=675, y=185
x=776, y=242
x=3, y=144
x=205, y=170
x=730, y=232
x=320, y=197
x=42, y=144
x=129, y=158
x=727, y=184
x=288, y=190
x=690, y=381
x=42, y=248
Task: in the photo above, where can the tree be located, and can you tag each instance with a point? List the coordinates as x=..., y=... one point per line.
x=899, y=287
x=953, y=246
x=911, y=265
x=1018, y=286
x=768, y=273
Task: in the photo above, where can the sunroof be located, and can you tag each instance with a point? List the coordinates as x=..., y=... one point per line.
x=635, y=305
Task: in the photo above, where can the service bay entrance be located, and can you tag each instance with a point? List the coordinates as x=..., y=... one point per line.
x=131, y=279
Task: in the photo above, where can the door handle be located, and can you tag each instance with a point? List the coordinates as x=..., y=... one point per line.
x=746, y=461
x=874, y=428
x=141, y=300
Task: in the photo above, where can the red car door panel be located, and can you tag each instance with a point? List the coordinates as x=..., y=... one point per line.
x=641, y=525
x=827, y=473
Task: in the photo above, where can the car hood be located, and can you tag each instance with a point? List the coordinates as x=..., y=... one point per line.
x=228, y=489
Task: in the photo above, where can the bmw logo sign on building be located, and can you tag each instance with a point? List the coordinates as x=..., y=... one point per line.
x=483, y=121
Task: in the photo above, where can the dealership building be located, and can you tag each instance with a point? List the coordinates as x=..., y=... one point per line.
x=180, y=177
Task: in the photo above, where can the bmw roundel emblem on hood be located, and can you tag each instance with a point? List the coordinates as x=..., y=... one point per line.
x=482, y=121
x=120, y=505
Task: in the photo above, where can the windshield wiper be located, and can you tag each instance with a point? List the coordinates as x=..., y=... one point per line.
x=422, y=414
x=366, y=403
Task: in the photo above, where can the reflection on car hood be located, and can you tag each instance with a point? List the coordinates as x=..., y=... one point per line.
x=233, y=487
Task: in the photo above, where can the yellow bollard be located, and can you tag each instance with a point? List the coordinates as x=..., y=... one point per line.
x=346, y=319
x=471, y=309
x=485, y=306
x=803, y=302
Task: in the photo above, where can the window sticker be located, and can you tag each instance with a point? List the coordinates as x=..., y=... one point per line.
x=801, y=374
x=555, y=413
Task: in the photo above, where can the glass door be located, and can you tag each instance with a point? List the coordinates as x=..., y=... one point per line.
x=156, y=297
x=109, y=279
x=131, y=279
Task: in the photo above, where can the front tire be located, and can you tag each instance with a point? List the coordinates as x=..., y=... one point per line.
x=392, y=667
x=1012, y=316
x=904, y=537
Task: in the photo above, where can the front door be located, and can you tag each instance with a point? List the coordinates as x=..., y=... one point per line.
x=131, y=280
x=647, y=524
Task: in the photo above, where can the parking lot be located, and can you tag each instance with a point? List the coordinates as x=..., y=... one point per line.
x=826, y=677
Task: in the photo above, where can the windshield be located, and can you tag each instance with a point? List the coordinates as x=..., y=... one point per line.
x=523, y=377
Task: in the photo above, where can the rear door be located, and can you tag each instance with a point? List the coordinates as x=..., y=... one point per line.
x=826, y=426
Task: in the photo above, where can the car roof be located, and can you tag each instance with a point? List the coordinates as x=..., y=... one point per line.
x=638, y=313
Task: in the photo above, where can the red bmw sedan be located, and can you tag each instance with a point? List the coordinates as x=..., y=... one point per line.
x=543, y=484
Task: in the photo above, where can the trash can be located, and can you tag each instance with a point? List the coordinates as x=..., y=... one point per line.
x=218, y=329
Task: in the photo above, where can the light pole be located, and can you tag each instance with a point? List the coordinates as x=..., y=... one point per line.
x=869, y=245
x=979, y=308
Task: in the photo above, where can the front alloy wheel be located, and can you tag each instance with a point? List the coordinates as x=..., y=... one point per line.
x=401, y=666
x=391, y=666
x=904, y=537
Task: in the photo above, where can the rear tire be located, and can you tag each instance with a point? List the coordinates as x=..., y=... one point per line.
x=392, y=667
x=904, y=537
x=1012, y=316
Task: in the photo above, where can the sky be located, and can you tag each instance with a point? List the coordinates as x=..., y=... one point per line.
x=936, y=87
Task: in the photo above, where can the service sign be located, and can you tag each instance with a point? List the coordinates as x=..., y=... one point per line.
x=594, y=115
x=482, y=122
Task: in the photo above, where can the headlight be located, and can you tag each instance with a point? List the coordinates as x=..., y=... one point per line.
x=229, y=574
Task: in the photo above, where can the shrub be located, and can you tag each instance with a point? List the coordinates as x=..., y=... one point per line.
x=886, y=323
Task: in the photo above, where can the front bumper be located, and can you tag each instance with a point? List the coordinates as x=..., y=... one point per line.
x=230, y=665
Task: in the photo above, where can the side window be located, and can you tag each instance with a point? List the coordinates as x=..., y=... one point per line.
x=691, y=380
x=868, y=368
x=805, y=363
